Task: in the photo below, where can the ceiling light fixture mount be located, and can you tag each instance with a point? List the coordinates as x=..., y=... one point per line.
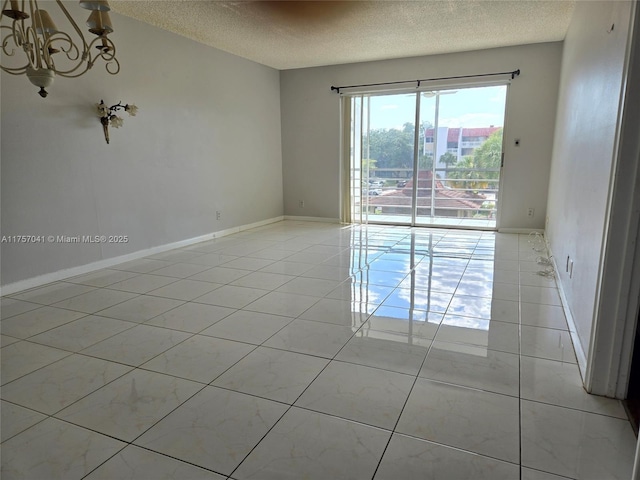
x=32, y=30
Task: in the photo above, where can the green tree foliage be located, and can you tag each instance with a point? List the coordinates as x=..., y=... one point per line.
x=393, y=148
x=482, y=166
x=448, y=159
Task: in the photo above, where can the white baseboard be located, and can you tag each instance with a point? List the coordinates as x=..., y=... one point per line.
x=110, y=262
x=521, y=230
x=312, y=219
x=581, y=356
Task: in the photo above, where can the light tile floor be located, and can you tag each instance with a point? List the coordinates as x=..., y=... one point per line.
x=305, y=350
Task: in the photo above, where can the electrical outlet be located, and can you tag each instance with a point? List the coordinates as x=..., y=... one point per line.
x=301, y=203
x=218, y=214
x=531, y=212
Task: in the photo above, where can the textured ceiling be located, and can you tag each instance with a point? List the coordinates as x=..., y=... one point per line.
x=296, y=34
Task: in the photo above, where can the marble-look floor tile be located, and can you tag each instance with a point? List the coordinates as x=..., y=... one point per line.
x=181, y=270
x=436, y=283
x=52, y=293
x=249, y=327
x=356, y=392
x=142, y=283
x=531, y=474
x=199, y=358
x=141, y=308
x=314, y=446
x=211, y=259
x=59, y=384
x=248, y=263
x=142, y=265
x=136, y=345
x=263, y=280
x=135, y=463
x=481, y=422
x=16, y=419
x=419, y=299
x=313, y=338
x=547, y=296
x=328, y=272
x=576, y=444
x=535, y=280
x=547, y=343
x=397, y=352
x=55, y=449
x=231, y=296
x=360, y=292
x=21, y=358
x=540, y=315
x=486, y=308
x=315, y=287
x=413, y=458
x=11, y=306
x=313, y=258
x=404, y=321
x=274, y=254
x=191, y=317
x=173, y=256
x=286, y=267
x=221, y=275
x=500, y=336
x=96, y=300
x=559, y=383
x=472, y=366
x=102, y=278
x=37, y=321
x=215, y=429
x=128, y=406
x=82, y=333
x=280, y=303
x=374, y=277
x=7, y=340
x=274, y=374
x=338, y=312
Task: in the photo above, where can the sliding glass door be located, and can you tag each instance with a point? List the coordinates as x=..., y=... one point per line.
x=427, y=158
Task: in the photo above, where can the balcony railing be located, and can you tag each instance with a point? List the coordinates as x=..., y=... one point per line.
x=460, y=193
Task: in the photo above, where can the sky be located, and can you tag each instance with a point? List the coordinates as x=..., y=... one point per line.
x=467, y=107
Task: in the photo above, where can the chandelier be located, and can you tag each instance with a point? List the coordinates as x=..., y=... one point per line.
x=47, y=51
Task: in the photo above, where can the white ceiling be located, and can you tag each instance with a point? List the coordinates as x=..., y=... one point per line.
x=297, y=34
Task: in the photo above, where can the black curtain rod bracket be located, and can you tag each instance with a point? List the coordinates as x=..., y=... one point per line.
x=513, y=74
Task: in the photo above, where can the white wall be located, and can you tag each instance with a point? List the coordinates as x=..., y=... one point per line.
x=311, y=124
x=583, y=154
x=206, y=138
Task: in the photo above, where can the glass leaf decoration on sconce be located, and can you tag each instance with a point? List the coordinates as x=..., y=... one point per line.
x=108, y=115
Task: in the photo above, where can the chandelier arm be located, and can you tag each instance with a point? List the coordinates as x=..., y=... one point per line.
x=85, y=47
x=32, y=47
x=31, y=30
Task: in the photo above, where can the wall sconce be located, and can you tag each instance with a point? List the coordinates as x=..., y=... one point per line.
x=108, y=115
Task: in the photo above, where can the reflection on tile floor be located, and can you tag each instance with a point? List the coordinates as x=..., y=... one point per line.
x=305, y=350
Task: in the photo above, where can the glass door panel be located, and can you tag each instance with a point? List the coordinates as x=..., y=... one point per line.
x=458, y=181
x=388, y=157
x=427, y=158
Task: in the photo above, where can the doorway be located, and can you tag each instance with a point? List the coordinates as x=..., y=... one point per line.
x=427, y=158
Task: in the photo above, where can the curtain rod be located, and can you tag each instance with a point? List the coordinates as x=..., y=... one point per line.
x=513, y=74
